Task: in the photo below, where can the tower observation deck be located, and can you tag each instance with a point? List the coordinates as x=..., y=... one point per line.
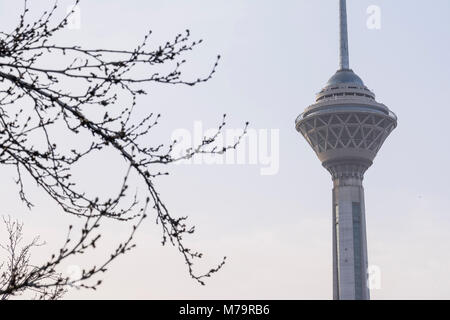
x=346, y=128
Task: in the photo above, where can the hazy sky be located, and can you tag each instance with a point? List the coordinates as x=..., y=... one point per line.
x=276, y=229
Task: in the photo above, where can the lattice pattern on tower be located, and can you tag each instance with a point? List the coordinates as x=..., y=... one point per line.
x=346, y=130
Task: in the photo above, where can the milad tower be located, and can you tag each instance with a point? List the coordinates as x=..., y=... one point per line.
x=346, y=127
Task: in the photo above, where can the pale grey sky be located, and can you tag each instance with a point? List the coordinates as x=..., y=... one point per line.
x=276, y=229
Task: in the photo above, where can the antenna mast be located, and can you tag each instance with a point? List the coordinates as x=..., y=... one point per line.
x=343, y=55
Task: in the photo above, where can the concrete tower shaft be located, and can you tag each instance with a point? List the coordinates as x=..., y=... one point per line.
x=346, y=128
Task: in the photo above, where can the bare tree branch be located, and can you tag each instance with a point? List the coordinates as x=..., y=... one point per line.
x=36, y=104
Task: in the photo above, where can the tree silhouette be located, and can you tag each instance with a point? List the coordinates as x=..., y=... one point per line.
x=38, y=104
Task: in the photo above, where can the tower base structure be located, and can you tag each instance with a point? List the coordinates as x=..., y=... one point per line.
x=350, y=262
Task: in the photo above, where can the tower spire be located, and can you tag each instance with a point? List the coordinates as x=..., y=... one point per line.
x=343, y=56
